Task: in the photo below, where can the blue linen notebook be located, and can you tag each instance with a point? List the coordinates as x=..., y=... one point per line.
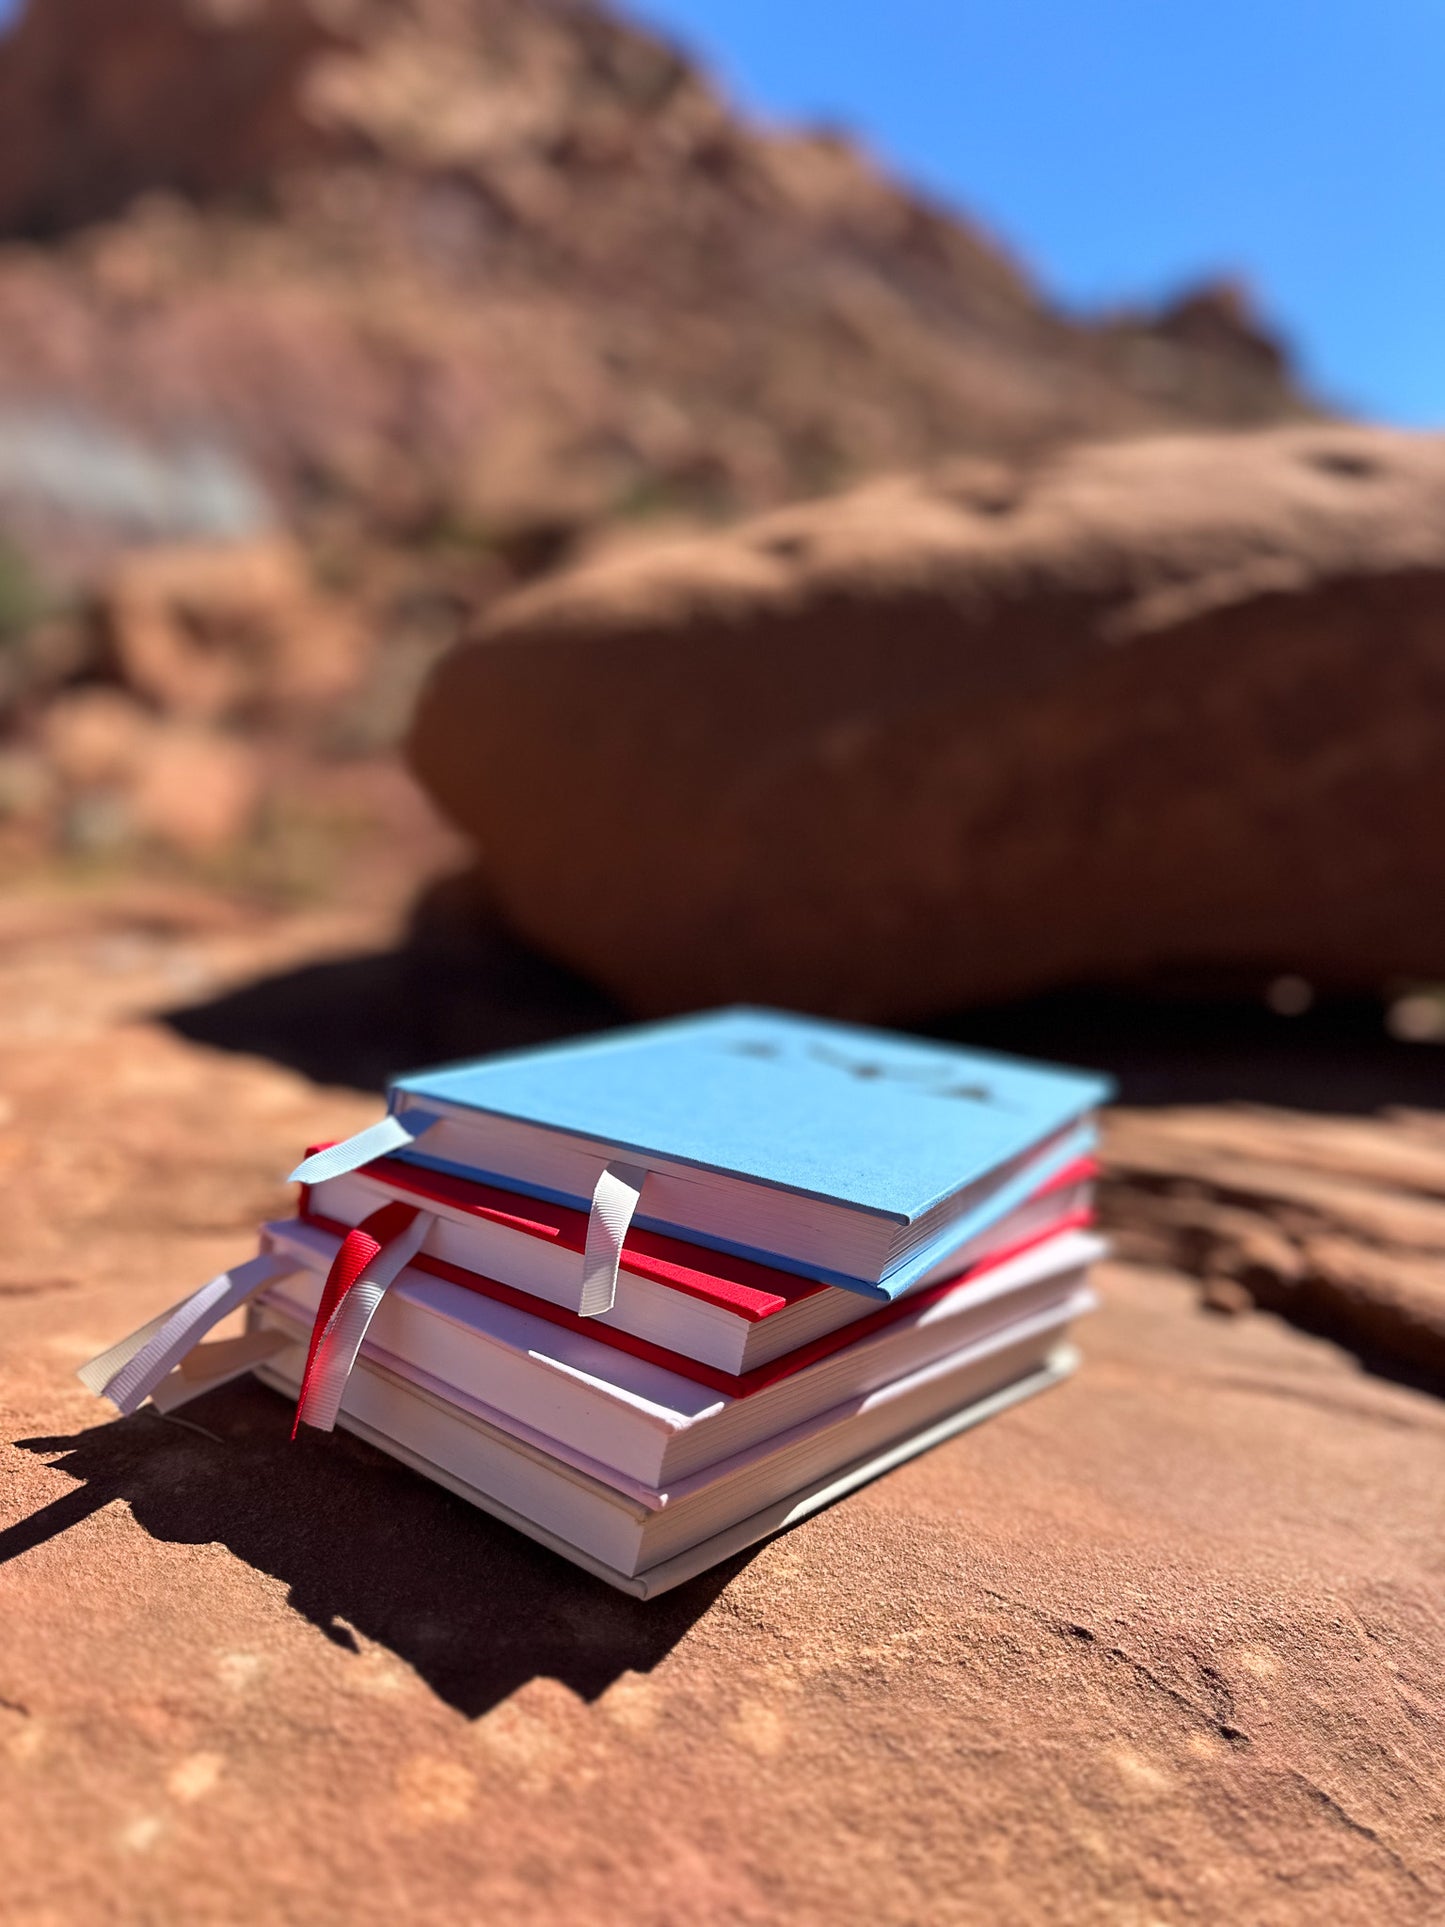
x=848, y=1154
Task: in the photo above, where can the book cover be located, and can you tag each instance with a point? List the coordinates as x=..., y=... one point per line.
x=740, y=1286
x=884, y=1125
x=621, y=1404
x=732, y=1384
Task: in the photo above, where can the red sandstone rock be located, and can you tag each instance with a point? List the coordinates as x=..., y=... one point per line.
x=1164, y=1645
x=97, y=105
x=239, y=631
x=96, y=736
x=197, y=792
x=1337, y=1223
x=1139, y=707
x=487, y=273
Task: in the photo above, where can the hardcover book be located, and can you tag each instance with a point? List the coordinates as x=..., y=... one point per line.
x=732, y=1314
x=653, y=1295
x=632, y=1412
x=851, y=1156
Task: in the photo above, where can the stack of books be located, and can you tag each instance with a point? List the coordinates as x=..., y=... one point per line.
x=651, y=1296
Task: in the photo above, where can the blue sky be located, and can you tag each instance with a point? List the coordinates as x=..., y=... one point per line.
x=1124, y=147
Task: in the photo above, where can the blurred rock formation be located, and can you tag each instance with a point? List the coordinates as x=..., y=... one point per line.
x=325, y=322
x=492, y=271
x=1127, y=710
x=145, y=712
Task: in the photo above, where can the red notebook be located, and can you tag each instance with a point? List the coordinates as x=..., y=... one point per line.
x=712, y=1316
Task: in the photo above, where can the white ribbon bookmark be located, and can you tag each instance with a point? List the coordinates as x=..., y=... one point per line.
x=129, y=1372
x=389, y=1134
x=613, y=1203
x=340, y=1342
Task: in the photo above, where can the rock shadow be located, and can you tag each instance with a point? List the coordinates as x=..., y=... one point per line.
x=436, y=997
x=462, y=988
x=1217, y=1044
x=367, y=1549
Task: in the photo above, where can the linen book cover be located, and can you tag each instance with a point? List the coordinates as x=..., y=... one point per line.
x=885, y=1126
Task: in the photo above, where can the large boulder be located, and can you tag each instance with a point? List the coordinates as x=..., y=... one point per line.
x=1139, y=707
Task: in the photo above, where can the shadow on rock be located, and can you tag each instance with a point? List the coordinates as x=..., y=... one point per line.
x=366, y=1549
x=1217, y=1044
x=461, y=985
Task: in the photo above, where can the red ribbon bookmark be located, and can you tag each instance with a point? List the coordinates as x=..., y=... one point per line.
x=358, y=1248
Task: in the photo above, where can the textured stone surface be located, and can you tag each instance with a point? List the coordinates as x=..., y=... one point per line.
x=1164, y=1646
x=1175, y=703
x=1338, y=1223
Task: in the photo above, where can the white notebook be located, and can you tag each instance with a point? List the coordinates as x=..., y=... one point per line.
x=437, y=1428
x=640, y=1419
